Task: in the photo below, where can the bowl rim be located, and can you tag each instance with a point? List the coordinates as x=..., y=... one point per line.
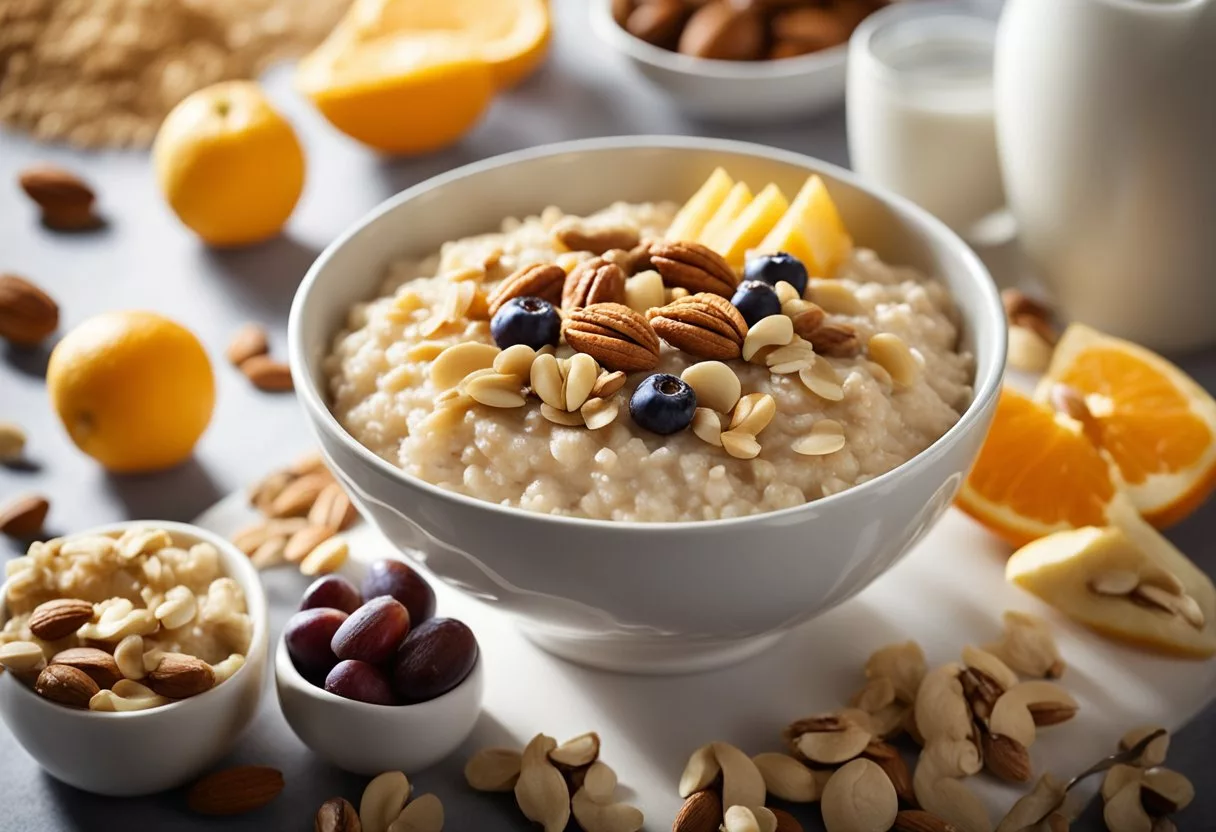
x=229, y=555
x=285, y=673
x=612, y=34
x=986, y=384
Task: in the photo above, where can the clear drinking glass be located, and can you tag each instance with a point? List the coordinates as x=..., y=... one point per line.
x=920, y=109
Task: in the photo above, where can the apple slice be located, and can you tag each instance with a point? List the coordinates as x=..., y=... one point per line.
x=736, y=201
x=1126, y=582
x=812, y=231
x=751, y=226
x=701, y=207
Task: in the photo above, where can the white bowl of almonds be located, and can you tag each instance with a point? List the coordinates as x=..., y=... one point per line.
x=715, y=393
x=134, y=654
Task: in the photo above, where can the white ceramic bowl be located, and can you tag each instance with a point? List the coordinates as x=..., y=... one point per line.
x=370, y=739
x=658, y=597
x=143, y=752
x=731, y=91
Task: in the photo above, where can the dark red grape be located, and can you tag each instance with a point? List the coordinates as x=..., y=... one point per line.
x=360, y=681
x=373, y=632
x=332, y=591
x=433, y=659
x=402, y=581
x=308, y=635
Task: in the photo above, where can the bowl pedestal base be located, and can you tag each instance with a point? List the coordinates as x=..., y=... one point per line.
x=654, y=657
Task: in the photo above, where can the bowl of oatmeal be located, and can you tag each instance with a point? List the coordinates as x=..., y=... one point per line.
x=676, y=475
x=145, y=637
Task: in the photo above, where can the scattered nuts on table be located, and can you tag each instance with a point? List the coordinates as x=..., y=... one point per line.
x=235, y=791
x=24, y=517
x=65, y=200
x=28, y=315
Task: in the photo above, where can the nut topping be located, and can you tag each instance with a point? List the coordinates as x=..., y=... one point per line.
x=836, y=340
x=593, y=281
x=693, y=267
x=704, y=325
x=614, y=335
x=578, y=235
x=540, y=280
x=53, y=620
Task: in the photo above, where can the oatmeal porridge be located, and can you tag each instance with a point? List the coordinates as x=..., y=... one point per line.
x=768, y=396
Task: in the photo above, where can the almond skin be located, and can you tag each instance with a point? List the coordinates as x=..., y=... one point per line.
x=786, y=822
x=23, y=518
x=337, y=815
x=720, y=31
x=28, y=315
x=66, y=685
x=702, y=812
x=179, y=676
x=657, y=22
x=247, y=342
x=98, y=664
x=235, y=791
x=59, y=618
x=64, y=198
x=267, y=375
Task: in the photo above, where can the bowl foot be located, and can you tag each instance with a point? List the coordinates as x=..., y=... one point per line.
x=652, y=657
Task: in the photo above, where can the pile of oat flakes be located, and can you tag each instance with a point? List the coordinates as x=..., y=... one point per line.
x=104, y=73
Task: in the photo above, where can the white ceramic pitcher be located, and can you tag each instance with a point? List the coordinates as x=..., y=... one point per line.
x=1106, y=120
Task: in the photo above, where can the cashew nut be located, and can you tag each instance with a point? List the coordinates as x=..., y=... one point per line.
x=787, y=778
x=941, y=707
x=742, y=783
x=949, y=799
x=541, y=791
x=701, y=770
x=1028, y=646
x=383, y=800
x=493, y=769
x=904, y=664
x=604, y=817
x=581, y=751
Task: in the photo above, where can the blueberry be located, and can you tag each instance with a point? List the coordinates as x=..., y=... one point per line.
x=755, y=299
x=663, y=404
x=526, y=320
x=773, y=268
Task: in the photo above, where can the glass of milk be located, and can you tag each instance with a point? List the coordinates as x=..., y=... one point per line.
x=920, y=110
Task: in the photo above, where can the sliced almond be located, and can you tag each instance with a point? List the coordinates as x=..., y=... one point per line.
x=700, y=772
x=325, y=558
x=742, y=783
x=561, y=417
x=892, y=353
x=546, y=379
x=515, y=360
x=707, y=426
x=795, y=357
x=826, y=437
x=835, y=297
x=842, y=741
x=753, y=413
x=740, y=444
x=787, y=778
x=716, y=385
x=495, y=390
x=458, y=360
x=822, y=379
x=775, y=330
x=600, y=413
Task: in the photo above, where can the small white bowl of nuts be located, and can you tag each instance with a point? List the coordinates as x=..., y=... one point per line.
x=134, y=654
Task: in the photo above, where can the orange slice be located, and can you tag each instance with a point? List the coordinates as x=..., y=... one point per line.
x=1038, y=473
x=1157, y=425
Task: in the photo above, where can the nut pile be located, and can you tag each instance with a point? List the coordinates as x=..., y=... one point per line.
x=304, y=511
x=28, y=315
x=1142, y=794
x=382, y=645
x=105, y=72
x=551, y=782
x=249, y=352
x=614, y=306
x=752, y=30
x=388, y=805
x=122, y=623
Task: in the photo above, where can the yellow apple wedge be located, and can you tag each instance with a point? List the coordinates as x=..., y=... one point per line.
x=736, y=201
x=701, y=206
x=751, y=226
x=1126, y=582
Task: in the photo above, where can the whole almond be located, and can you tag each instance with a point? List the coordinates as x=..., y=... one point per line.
x=914, y=820
x=722, y=31
x=12, y=443
x=298, y=496
x=98, y=664
x=179, y=676
x=53, y=620
x=247, y=342
x=27, y=314
x=333, y=509
x=892, y=763
x=66, y=201
x=24, y=517
x=66, y=685
x=815, y=28
x=267, y=375
x=234, y=791
x=657, y=21
x=702, y=812
x=1007, y=758
x=337, y=815
x=305, y=540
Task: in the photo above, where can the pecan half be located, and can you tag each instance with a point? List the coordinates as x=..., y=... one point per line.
x=540, y=280
x=575, y=235
x=694, y=267
x=614, y=335
x=835, y=340
x=704, y=325
x=593, y=281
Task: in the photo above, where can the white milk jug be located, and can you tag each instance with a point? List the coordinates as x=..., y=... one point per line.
x=1106, y=121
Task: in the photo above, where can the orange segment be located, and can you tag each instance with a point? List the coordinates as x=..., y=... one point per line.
x=1155, y=422
x=1037, y=474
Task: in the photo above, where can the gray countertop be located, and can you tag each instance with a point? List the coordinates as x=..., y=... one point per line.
x=145, y=259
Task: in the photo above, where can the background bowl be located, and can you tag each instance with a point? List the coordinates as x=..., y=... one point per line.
x=369, y=739
x=731, y=91
x=143, y=752
x=652, y=597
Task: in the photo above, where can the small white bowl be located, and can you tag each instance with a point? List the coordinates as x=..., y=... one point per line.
x=143, y=752
x=369, y=739
x=731, y=91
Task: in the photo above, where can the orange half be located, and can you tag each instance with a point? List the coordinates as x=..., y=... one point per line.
x=1037, y=474
x=1156, y=424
